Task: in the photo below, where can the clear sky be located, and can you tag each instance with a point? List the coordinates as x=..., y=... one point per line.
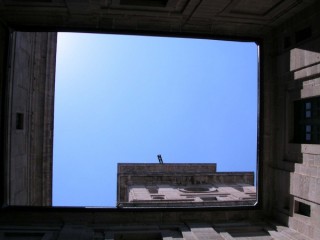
x=129, y=98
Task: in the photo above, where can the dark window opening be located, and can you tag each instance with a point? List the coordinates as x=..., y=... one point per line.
x=302, y=208
x=19, y=121
x=307, y=121
x=209, y=198
x=158, y=197
x=196, y=189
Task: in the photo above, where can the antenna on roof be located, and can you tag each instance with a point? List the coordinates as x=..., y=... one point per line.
x=160, y=159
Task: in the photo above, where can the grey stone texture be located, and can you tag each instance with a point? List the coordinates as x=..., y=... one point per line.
x=177, y=185
x=288, y=34
x=30, y=87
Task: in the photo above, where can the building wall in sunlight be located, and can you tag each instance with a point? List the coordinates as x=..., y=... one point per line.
x=183, y=185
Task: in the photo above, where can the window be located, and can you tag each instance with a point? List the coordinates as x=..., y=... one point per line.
x=196, y=189
x=208, y=198
x=19, y=121
x=302, y=208
x=307, y=121
x=159, y=197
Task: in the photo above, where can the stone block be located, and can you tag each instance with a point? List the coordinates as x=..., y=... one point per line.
x=307, y=72
x=310, y=91
x=310, y=148
x=305, y=187
x=303, y=57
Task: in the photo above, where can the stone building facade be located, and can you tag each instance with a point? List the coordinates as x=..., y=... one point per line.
x=183, y=185
x=29, y=125
x=288, y=36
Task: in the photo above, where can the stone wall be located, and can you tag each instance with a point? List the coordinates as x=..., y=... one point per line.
x=160, y=195
x=136, y=168
x=30, y=90
x=176, y=176
x=294, y=164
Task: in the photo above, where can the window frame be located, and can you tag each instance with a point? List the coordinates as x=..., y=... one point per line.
x=307, y=120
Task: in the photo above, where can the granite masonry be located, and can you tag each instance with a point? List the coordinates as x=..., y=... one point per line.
x=182, y=185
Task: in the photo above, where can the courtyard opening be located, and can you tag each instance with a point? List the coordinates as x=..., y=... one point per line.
x=128, y=99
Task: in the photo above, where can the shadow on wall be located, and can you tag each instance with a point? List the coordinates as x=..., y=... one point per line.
x=298, y=111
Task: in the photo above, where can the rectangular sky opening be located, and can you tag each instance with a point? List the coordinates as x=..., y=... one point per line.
x=128, y=99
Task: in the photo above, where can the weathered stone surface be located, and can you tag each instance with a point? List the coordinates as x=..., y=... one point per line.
x=31, y=79
x=174, y=185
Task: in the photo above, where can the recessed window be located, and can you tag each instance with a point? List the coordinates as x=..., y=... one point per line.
x=209, y=198
x=157, y=197
x=302, y=208
x=307, y=120
x=196, y=189
x=19, y=121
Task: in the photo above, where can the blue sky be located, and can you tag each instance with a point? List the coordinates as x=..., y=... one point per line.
x=129, y=98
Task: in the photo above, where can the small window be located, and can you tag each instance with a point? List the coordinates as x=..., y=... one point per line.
x=302, y=208
x=307, y=121
x=158, y=197
x=209, y=199
x=19, y=121
x=196, y=189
